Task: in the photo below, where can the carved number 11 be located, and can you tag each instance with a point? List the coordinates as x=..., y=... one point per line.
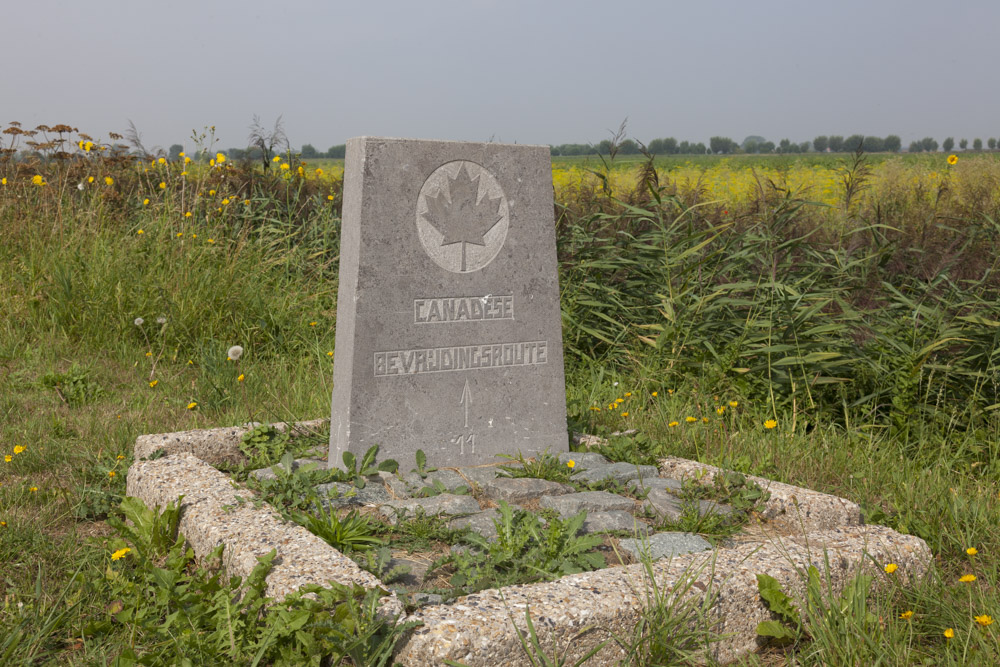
x=463, y=440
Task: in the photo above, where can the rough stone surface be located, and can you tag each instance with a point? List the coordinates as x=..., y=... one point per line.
x=213, y=515
x=583, y=460
x=478, y=630
x=480, y=522
x=479, y=475
x=638, y=486
x=618, y=472
x=790, y=508
x=664, y=545
x=339, y=494
x=667, y=506
x=214, y=445
x=446, y=503
x=613, y=521
x=592, y=501
x=449, y=479
x=449, y=333
x=268, y=473
x=522, y=489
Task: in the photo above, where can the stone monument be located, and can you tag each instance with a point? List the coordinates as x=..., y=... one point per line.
x=449, y=336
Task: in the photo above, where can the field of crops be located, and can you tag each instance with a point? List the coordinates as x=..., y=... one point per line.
x=829, y=321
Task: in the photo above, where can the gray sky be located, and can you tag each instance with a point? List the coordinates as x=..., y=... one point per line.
x=510, y=70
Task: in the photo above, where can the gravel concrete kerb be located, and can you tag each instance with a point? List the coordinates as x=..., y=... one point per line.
x=574, y=613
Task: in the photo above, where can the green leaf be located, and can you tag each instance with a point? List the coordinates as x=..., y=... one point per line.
x=777, y=601
x=775, y=629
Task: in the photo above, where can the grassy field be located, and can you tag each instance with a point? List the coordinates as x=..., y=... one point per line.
x=832, y=325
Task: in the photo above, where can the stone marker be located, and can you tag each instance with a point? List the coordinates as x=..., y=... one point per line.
x=449, y=336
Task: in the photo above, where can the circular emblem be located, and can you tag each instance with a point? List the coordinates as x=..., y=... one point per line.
x=462, y=216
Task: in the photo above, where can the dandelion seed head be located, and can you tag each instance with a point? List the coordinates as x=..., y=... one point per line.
x=138, y=321
x=235, y=352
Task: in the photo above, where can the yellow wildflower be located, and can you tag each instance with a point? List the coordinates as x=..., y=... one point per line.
x=163, y=185
x=319, y=172
x=705, y=419
x=37, y=179
x=162, y=160
x=7, y=458
x=90, y=179
x=276, y=158
x=984, y=620
x=891, y=567
x=3, y=181
x=972, y=551
x=571, y=463
x=240, y=378
x=153, y=383
x=111, y=474
x=628, y=394
x=187, y=160
x=180, y=234
x=330, y=354
x=118, y=555
x=211, y=240
x=949, y=633
x=211, y=193
x=312, y=324
x=624, y=414
x=3, y=524
x=109, y=181
x=220, y=158
x=192, y=405
x=329, y=197
x=672, y=424
x=906, y=615
x=149, y=354
x=187, y=214
x=181, y=154
x=721, y=409
x=690, y=420
x=145, y=202
x=285, y=166
x=770, y=423
x=120, y=457
x=967, y=578
x=33, y=489
x=733, y=404
x=654, y=394
x=952, y=159
x=225, y=202
x=593, y=408
x=19, y=448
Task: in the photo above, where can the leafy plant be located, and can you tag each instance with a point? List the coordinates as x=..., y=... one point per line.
x=264, y=445
x=74, y=387
x=422, y=468
x=356, y=474
x=543, y=466
x=788, y=627
x=351, y=532
x=378, y=561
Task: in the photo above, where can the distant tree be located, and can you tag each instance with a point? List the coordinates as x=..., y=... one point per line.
x=852, y=142
x=270, y=142
x=628, y=147
x=604, y=148
x=684, y=148
x=805, y=146
x=175, y=151
x=977, y=144
x=820, y=143
x=751, y=147
x=765, y=147
x=948, y=144
x=699, y=149
x=308, y=151
x=992, y=143
x=236, y=153
x=723, y=145
x=929, y=144
x=892, y=143
x=836, y=143
x=963, y=144
x=784, y=146
x=337, y=152
x=665, y=146
x=915, y=147
x=874, y=145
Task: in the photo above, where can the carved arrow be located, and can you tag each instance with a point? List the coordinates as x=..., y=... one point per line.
x=466, y=400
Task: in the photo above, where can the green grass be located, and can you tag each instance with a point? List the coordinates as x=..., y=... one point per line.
x=872, y=347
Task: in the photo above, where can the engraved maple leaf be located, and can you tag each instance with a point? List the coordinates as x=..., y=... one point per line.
x=461, y=217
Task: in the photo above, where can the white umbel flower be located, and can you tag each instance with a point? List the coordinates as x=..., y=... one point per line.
x=235, y=352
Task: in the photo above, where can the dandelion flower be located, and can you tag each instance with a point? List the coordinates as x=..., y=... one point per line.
x=312, y=324
x=181, y=154
x=220, y=158
x=90, y=179
x=984, y=620
x=670, y=392
x=3, y=524
x=187, y=214
x=121, y=457
x=770, y=423
x=972, y=551
x=319, y=172
x=330, y=354
x=33, y=489
x=571, y=463
x=118, y=555
x=276, y=158
x=672, y=424
x=153, y=384
x=180, y=234
x=163, y=185
x=733, y=404
x=627, y=394
x=111, y=474
x=611, y=406
x=235, y=352
x=140, y=232
x=906, y=615
x=624, y=414
x=952, y=159
x=704, y=419
x=721, y=409
x=241, y=378
x=225, y=202
x=285, y=166
x=690, y=420
x=7, y=458
x=891, y=567
x=3, y=181
x=190, y=362
x=211, y=240
x=654, y=394
x=145, y=202
x=149, y=354
x=109, y=181
x=19, y=448
x=949, y=633
x=37, y=179
x=192, y=405
x=967, y=578
x=329, y=197
x=211, y=193
x=162, y=160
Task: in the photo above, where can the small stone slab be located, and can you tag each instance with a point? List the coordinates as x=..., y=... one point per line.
x=663, y=545
x=668, y=506
x=342, y=495
x=479, y=475
x=449, y=479
x=268, y=473
x=613, y=521
x=592, y=501
x=583, y=460
x=619, y=472
x=522, y=489
x=480, y=522
x=446, y=503
x=638, y=486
